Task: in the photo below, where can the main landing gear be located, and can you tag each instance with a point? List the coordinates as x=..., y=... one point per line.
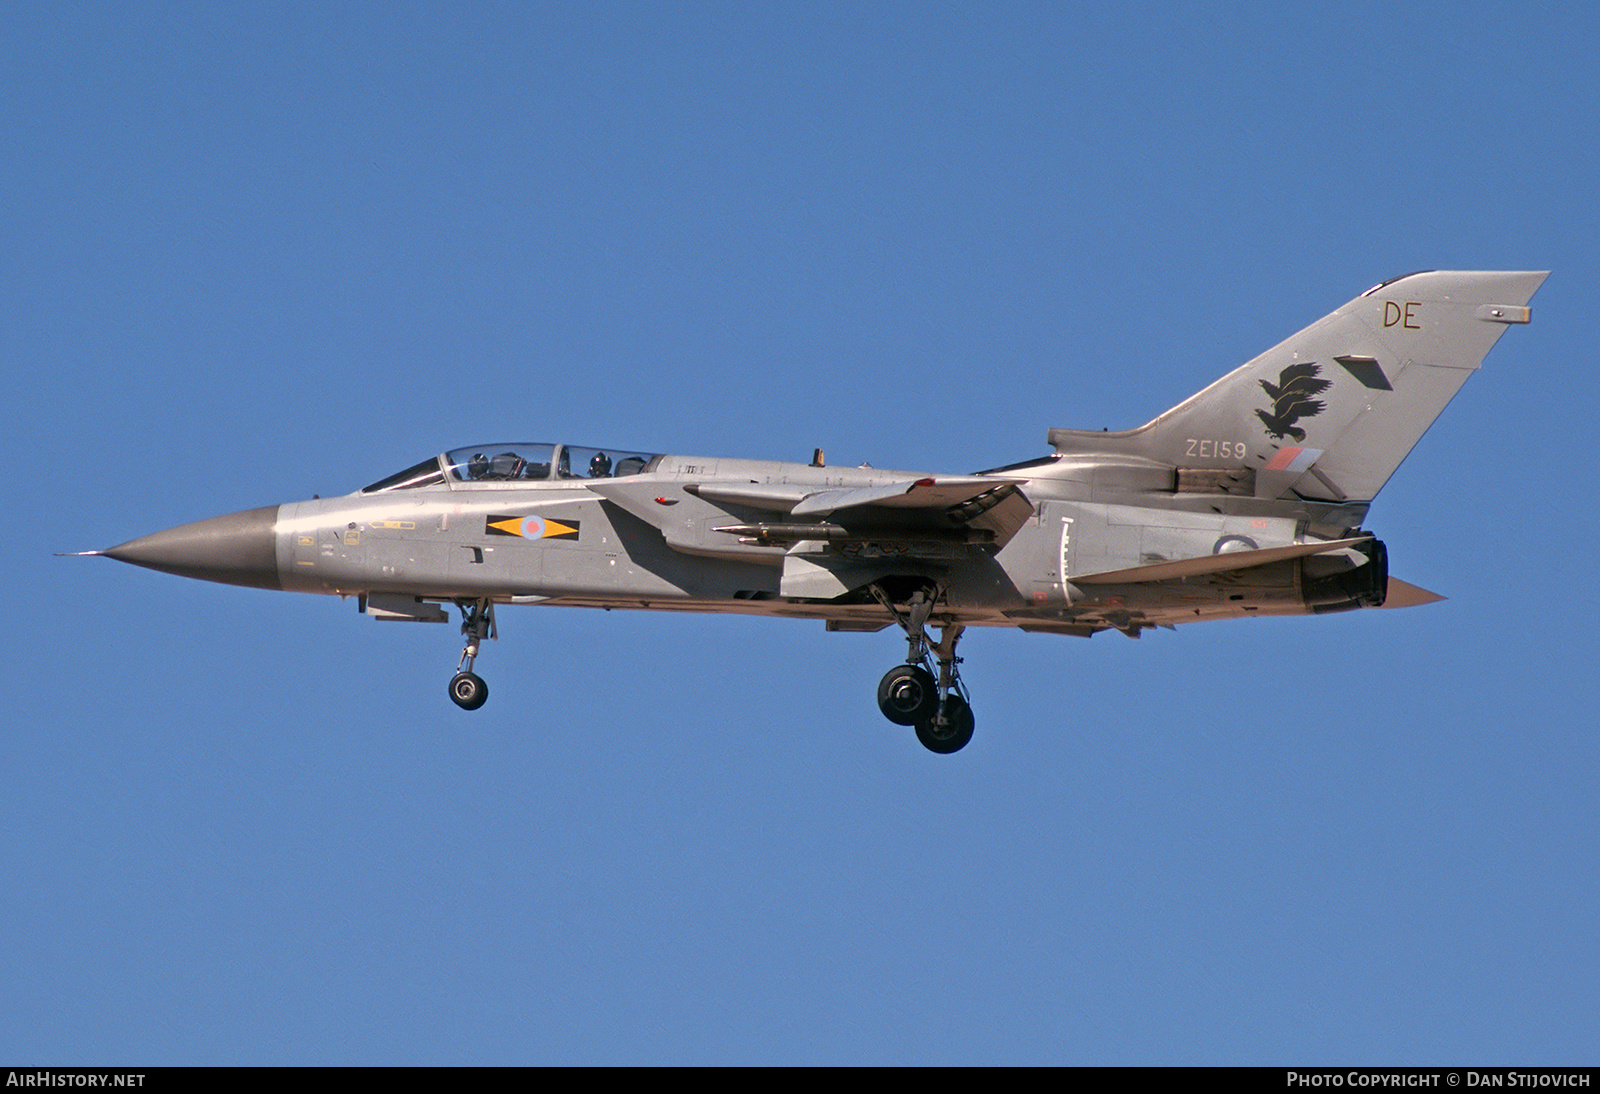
x=467, y=689
x=912, y=694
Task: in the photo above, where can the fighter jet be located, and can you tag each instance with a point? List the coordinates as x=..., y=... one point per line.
x=1247, y=499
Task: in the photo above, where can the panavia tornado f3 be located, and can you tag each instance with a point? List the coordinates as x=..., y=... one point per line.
x=1246, y=499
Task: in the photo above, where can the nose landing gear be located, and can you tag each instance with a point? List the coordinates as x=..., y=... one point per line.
x=467, y=689
x=911, y=694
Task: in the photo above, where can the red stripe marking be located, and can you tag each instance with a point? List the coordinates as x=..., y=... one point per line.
x=1283, y=459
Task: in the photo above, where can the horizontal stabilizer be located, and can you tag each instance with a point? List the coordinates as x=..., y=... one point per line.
x=1405, y=595
x=1216, y=564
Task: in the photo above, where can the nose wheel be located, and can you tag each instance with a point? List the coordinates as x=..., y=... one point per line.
x=467, y=689
x=912, y=694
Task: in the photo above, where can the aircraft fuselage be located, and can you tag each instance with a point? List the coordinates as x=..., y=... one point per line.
x=656, y=541
x=1247, y=498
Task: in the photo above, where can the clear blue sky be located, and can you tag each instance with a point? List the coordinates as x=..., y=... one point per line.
x=254, y=253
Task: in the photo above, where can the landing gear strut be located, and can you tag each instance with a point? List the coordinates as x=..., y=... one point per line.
x=467, y=689
x=912, y=694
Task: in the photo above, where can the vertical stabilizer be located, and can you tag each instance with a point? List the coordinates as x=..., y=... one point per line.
x=1329, y=413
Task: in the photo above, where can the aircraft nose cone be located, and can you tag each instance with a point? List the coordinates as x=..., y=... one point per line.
x=237, y=549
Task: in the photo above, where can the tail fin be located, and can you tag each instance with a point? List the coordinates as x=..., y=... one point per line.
x=1329, y=413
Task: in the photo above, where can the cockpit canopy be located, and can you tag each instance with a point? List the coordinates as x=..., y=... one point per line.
x=518, y=462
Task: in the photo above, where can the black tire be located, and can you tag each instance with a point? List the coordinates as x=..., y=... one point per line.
x=468, y=691
x=956, y=731
x=908, y=694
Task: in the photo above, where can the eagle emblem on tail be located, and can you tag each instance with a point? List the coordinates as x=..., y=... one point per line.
x=1293, y=398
